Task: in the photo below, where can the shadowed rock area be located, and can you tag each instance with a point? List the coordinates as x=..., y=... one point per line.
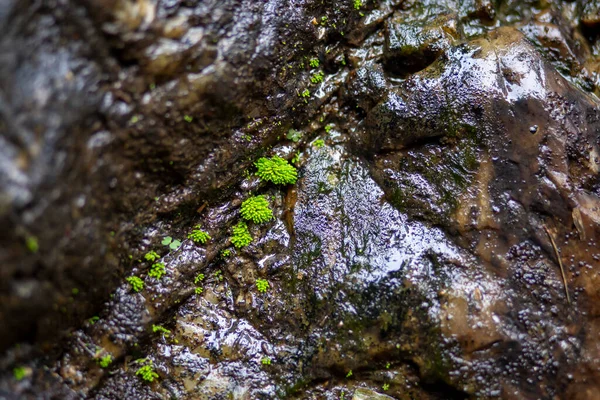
x=440, y=242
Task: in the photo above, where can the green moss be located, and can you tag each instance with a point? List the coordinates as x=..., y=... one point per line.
x=105, y=361
x=136, y=283
x=262, y=285
x=358, y=4
x=319, y=143
x=32, y=244
x=241, y=236
x=199, y=278
x=305, y=93
x=314, y=62
x=256, y=209
x=199, y=236
x=157, y=270
x=317, y=77
x=146, y=372
x=19, y=373
x=164, y=331
x=265, y=361
x=276, y=170
x=198, y=290
x=151, y=256
x=226, y=253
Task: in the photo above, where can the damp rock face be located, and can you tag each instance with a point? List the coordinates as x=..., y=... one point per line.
x=441, y=240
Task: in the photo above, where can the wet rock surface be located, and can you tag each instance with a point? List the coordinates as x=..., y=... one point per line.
x=441, y=240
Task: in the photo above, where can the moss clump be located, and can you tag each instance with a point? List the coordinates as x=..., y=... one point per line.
x=199, y=236
x=162, y=330
x=276, y=170
x=136, y=283
x=151, y=256
x=157, y=270
x=105, y=361
x=241, y=236
x=262, y=285
x=146, y=371
x=256, y=209
x=19, y=373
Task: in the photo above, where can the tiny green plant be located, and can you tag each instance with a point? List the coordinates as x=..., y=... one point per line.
x=199, y=236
x=32, y=244
x=328, y=128
x=104, y=361
x=294, y=135
x=172, y=243
x=296, y=158
x=256, y=209
x=314, y=62
x=262, y=285
x=387, y=365
x=146, y=371
x=349, y=374
x=93, y=320
x=276, y=170
x=199, y=278
x=226, y=253
x=136, y=283
x=265, y=361
x=19, y=373
x=161, y=329
x=305, y=93
x=317, y=77
x=151, y=256
x=188, y=118
x=241, y=236
x=198, y=290
x=157, y=270
x=385, y=386
x=319, y=143
x=358, y=4
x=219, y=275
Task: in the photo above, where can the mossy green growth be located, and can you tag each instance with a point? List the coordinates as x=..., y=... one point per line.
x=256, y=209
x=199, y=278
x=161, y=329
x=241, y=236
x=226, y=253
x=136, y=283
x=32, y=244
x=105, y=361
x=146, y=372
x=317, y=77
x=198, y=235
x=314, y=62
x=19, y=373
x=276, y=170
x=265, y=361
x=151, y=256
x=157, y=270
x=319, y=143
x=262, y=285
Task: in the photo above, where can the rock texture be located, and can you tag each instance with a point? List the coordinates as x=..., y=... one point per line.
x=441, y=240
